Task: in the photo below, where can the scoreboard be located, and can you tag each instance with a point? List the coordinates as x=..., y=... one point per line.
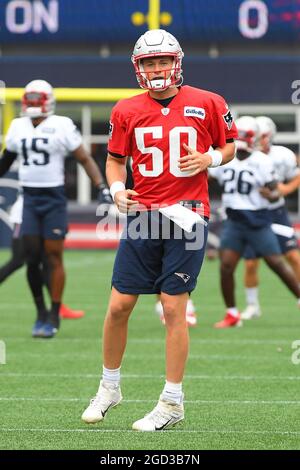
x=102, y=21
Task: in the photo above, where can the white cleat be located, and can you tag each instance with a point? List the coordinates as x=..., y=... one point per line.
x=107, y=397
x=191, y=317
x=164, y=415
x=250, y=312
x=160, y=312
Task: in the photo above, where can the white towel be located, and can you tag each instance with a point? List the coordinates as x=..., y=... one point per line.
x=283, y=230
x=182, y=216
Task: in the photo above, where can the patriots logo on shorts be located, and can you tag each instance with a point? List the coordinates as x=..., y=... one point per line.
x=185, y=277
x=228, y=119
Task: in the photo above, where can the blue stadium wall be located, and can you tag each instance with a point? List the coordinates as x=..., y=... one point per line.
x=241, y=80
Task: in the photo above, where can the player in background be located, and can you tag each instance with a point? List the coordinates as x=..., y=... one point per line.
x=168, y=132
x=17, y=259
x=288, y=174
x=248, y=218
x=41, y=140
x=190, y=314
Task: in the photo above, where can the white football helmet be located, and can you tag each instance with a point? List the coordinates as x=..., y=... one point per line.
x=267, y=127
x=38, y=99
x=248, y=133
x=156, y=43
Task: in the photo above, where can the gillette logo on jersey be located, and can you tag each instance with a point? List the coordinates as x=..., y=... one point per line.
x=192, y=111
x=155, y=143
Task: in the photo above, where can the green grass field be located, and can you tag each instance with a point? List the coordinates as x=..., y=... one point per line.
x=241, y=388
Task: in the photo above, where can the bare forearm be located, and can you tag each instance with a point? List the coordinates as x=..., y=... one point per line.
x=6, y=160
x=89, y=165
x=115, y=170
x=290, y=187
x=228, y=152
x=92, y=171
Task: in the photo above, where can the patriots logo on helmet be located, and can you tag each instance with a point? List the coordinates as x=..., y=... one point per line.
x=228, y=119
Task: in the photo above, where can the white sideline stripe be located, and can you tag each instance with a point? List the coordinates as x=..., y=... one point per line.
x=176, y=431
x=153, y=376
x=213, y=341
x=193, y=402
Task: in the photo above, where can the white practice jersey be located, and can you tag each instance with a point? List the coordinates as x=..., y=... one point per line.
x=285, y=165
x=42, y=149
x=242, y=179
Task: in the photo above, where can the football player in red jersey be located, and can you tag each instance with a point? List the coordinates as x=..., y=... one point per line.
x=173, y=134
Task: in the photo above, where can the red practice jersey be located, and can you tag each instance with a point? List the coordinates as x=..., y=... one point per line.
x=153, y=136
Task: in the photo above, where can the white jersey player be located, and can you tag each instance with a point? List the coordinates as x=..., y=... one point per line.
x=249, y=221
x=288, y=174
x=242, y=180
x=40, y=140
x=42, y=149
x=285, y=166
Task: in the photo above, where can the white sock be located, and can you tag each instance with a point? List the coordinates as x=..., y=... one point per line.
x=190, y=306
x=233, y=312
x=251, y=295
x=111, y=376
x=172, y=392
x=159, y=308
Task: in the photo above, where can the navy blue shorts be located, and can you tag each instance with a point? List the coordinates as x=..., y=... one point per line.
x=282, y=227
x=45, y=213
x=236, y=236
x=158, y=260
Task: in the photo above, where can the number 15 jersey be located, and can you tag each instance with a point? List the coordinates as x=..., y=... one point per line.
x=154, y=135
x=42, y=149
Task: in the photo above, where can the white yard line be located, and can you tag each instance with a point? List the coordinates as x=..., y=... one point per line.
x=213, y=341
x=176, y=431
x=193, y=402
x=159, y=357
x=153, y=376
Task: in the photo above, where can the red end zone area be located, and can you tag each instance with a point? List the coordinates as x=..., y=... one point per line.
x=92, y=236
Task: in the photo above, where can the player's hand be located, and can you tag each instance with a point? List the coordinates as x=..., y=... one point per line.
x=194, y=161
x=271, y=195
x=283, y=189
x=123, y=200
x=104, y=196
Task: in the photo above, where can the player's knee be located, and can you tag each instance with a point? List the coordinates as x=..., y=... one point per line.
x=171, y=313
x=251, y=267
x=31, y=258
x=276, y=263
x=227, y=268
x=293, y=257
x=18, y=263
x=55, y=259
x=119, y=311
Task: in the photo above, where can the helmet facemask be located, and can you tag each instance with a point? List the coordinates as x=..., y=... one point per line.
x=170, y=77
x=268, y=131
x=155, y=44
x=248, y=134
x=38, y=100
